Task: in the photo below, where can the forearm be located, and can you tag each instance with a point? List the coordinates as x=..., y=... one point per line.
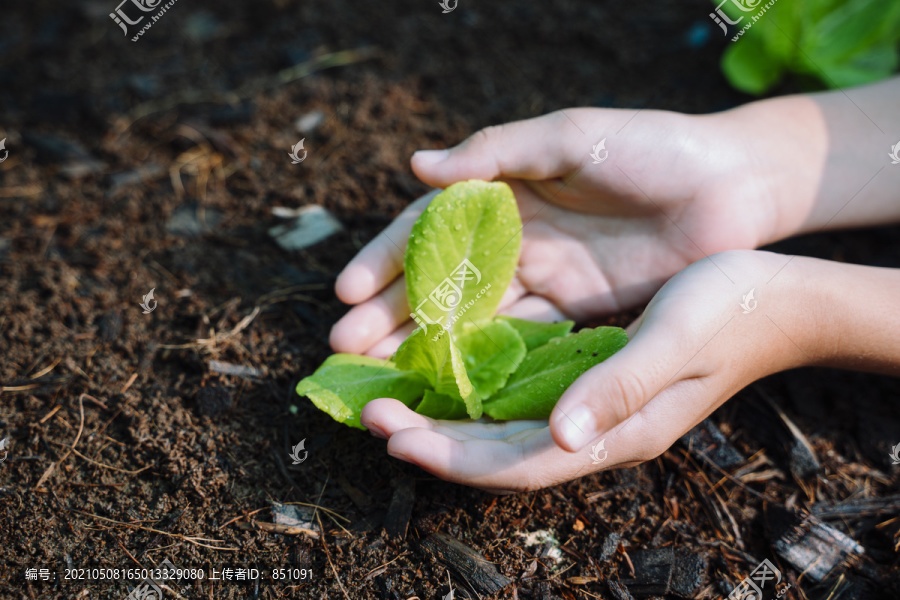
x=855, y=315
x=825, y=157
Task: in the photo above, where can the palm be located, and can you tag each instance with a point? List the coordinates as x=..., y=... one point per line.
x=522, y=454
x=587, y=258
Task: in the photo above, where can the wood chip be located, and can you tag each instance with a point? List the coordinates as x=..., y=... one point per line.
x=618, y=591
x=706, y=442
x=801, y=456
x=276, y=528
x=859, y=507
x=467, y=564
x=664, y=571
x=811, y=546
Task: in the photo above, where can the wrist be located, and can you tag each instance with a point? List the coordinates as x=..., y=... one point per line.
x=856, y=316
x=776, y=153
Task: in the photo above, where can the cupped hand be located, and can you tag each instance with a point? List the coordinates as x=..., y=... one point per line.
x=695, y=345
x=597, y=238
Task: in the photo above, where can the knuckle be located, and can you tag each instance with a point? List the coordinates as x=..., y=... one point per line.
x=488, y=135
x=654, y=448
x=626, y=396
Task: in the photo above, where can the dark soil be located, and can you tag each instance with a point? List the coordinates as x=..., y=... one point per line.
x=169, y=451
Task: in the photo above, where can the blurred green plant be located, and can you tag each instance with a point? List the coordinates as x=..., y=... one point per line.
x=840, y=43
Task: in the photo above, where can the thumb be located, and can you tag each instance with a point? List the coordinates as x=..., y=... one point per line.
x=617, y=388
x=538, y=148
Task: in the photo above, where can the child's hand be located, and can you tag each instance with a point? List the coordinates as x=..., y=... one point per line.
x=674, y=189
x=700, y=340
x=692, y=349
x=598, y=238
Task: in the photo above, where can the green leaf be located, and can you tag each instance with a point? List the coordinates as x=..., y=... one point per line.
x=537, y=333
x=432, y=354
x=749, y=68
x=441, y=406
x=462, y=253
x=840, y=42
x=344, y=384
x=491, y=351
x=547, y=371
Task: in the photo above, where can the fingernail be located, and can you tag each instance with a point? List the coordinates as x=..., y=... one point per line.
x=375, y=430
x=399, y=456
x=577, y=427
x=427, y=158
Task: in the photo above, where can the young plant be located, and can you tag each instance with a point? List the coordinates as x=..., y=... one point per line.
x=462, y=361
x=841, y=43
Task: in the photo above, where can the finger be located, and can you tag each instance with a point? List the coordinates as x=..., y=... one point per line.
x=370, y=322
x=617, y=388
x=387, y=346
x=534, y=308
x=534, y=461
x=494, y=465
x=511, y=295
x=381, y=260
x=505, y=151
x=385, y=416
x=667, y=417
x=388, y=416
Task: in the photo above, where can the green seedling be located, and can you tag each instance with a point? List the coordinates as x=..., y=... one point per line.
x=463, y=361
x=839, y=43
